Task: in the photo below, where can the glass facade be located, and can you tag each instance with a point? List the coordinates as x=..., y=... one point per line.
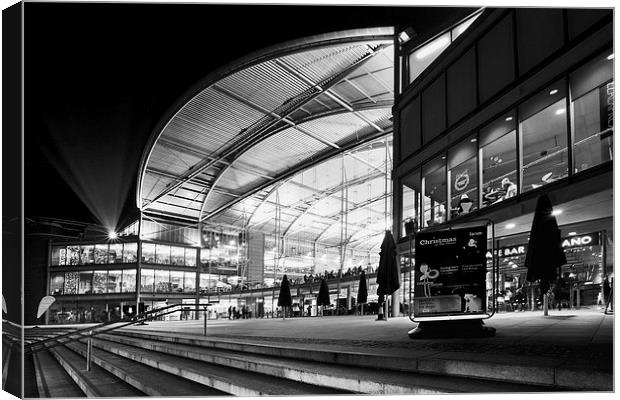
x=434, y=179
x=101, y=253
x=463, y=177
x=498, y=152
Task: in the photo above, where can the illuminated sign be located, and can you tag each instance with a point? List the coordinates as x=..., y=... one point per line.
x=589, y=239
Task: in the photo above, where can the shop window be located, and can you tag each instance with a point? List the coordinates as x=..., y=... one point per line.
x=101, y=254
x=463, y=177
x=190, y=257
x=57, y=283
x=592, y=109
x=59, y=255
x=114, y=281
x=434, y=181
x=498, y=156
x=71, y=282
x=162, y=253
x=189, y=282
x=116, y=253
x=543, y=129
x=148, y=253
x=176, y=281
x=162, y=280
x=204, y=282
x=177, y=255
x=73, y=255
x=147, y=280
x=411, y=210
x=86, y=282
x=100, y=282
x=129, y=280
x=87, y=254
x=130, y=253
x=421, y=58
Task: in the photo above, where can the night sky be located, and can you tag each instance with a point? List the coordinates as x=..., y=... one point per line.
x=99, y=77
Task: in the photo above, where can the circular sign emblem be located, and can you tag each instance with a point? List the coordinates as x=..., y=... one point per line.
x=461, y=181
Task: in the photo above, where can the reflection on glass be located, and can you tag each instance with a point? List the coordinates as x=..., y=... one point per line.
x=162, y=253
x=411, y=202
x=435, y=193
x=148, y=253
x=129, y=280
x=190, y=257
x=86, y=282
x=59, y=255
x=177, y=255
x=88, y=254
x=57, y=283
x=114, y=281
x=116, y=253
x=71, y=282
x=189, y=282
x=499, y=169
x=73, y=255
x=130, y=252
x=425, y=55
x=545, y=154
x=101, y=254
x=147, y=279
x=593, y=127
x=100, y=282
x=162, y=280
x=176, y=281
x=204, y=282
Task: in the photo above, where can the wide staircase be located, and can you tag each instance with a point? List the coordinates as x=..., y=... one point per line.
x=128, y=362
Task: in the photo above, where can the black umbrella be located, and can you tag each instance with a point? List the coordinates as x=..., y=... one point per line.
x=387, y=273
x=362, y=292
x=323, y=297
x=544, y=255
x=284, y=298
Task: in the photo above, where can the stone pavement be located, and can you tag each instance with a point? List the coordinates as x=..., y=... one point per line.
x=569, y=348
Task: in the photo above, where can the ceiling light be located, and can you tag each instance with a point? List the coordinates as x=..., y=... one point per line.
x=546, y=176
x=611, y=56
x=553, y=91
x=572, y=233
x=112, y=235
x=432, y=47
x=474, y=140
x=556, y=212
x=560, y=111
x=508, y=119
x=510, y=225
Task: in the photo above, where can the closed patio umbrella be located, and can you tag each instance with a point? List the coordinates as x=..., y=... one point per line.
x=362, y=292
x=387, y=273
x=323, y=297
x=284, y=298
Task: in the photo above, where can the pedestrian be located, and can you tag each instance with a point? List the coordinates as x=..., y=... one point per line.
x=234, y=312
x=229, y=312
x=309, y=310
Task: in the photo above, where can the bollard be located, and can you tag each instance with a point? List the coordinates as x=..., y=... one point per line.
x=89, y=350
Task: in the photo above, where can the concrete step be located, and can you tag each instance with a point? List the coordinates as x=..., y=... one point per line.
x=150, y=381
x=377, y=379
x=51, y=379
x=230, y=380
x=94, y=383
x=513, y=369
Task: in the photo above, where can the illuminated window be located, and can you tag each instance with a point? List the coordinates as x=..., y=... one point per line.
x=130, y=252
x=411, y=201
x=176, y=281
x=71, y=282
x=59, y=255
x=434, y=180
x=87, y=254
x=190, y=257
x=100, y=282
x=116, y=253
x=189, y=280
x=86, y=282
x=162, y=281
x=57, y=283
x=177, y=255
x=498, y=152
x=129, y=280
x=114, y=281
x=148, y=253
x=162, y=253
x=147, y=279
x=101, y=254
x=463, y=173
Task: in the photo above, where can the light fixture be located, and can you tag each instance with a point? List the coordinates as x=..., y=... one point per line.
x=406, y=35
x=508, y=119
x=553, y=91
x=556, y=212
x=611, y=56
x=112, y=235
x=510, y=225
x=560, y=111
x=572, y=233
x=432, y=47
x=474, y=140
x=546, y=176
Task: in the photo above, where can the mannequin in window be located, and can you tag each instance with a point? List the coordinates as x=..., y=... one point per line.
x=465, y=204
x=509, y=188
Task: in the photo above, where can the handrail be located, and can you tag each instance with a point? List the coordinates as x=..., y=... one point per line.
x=95, y=330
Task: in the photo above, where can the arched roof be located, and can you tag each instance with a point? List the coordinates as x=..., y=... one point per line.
x=251, y=127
